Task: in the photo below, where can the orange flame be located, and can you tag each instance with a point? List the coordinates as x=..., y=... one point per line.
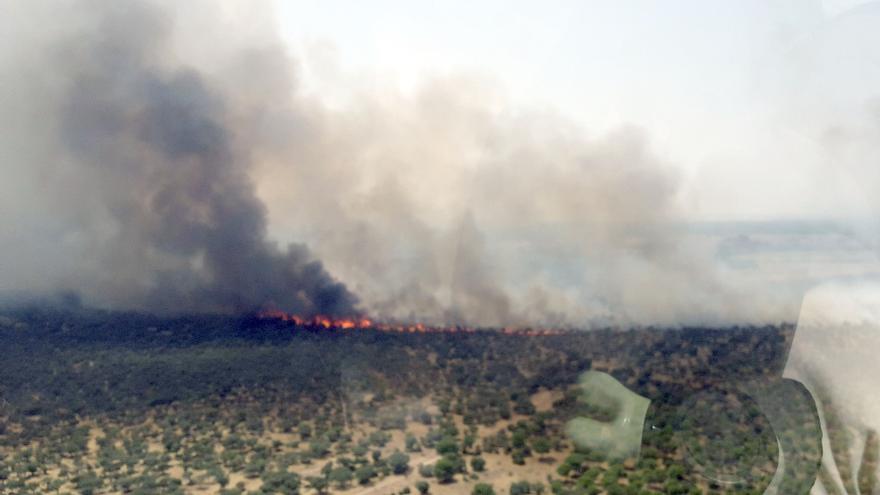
x=364, y=323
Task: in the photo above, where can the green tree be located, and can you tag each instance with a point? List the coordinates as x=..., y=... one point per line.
x=468, y=443
x=447, y=445
x=318, y=483
x=483, y=489
x=319, y=447
x=219, y=475
x=255, y=468
x=280, y=482
x=412, y=443
x=422, y=487
x=399, y=462
x=520, y=488
x=518, y=439
x=541, y=445
x=365, y=473
x=341, y=476
x=327, y=468
x=445, y=470
x=478, y=464
x=88, y=483
x=379, y=438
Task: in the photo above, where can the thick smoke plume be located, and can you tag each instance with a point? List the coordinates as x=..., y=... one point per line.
x=155, y=154
x=151, y=144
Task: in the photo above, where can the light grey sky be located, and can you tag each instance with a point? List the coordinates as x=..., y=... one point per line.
x=764, y=106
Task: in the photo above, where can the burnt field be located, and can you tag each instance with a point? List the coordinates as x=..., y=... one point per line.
x=110, y=402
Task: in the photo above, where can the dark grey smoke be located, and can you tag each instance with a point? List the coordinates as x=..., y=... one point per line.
x=161, y=160
x=151, y=150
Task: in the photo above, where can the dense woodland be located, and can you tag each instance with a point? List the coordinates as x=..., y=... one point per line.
x=95, y=402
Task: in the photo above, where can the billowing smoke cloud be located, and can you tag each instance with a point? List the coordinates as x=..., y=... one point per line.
x=446, y=205
x=151, y=144
x=154, y=152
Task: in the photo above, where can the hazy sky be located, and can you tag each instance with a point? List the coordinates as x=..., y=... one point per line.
x=769, y=108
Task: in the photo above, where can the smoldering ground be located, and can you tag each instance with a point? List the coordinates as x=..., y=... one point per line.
x=162, y=156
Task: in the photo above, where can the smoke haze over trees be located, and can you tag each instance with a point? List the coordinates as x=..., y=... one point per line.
x=167, y=158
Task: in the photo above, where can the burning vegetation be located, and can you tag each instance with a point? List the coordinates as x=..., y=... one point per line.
x=364, y=323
